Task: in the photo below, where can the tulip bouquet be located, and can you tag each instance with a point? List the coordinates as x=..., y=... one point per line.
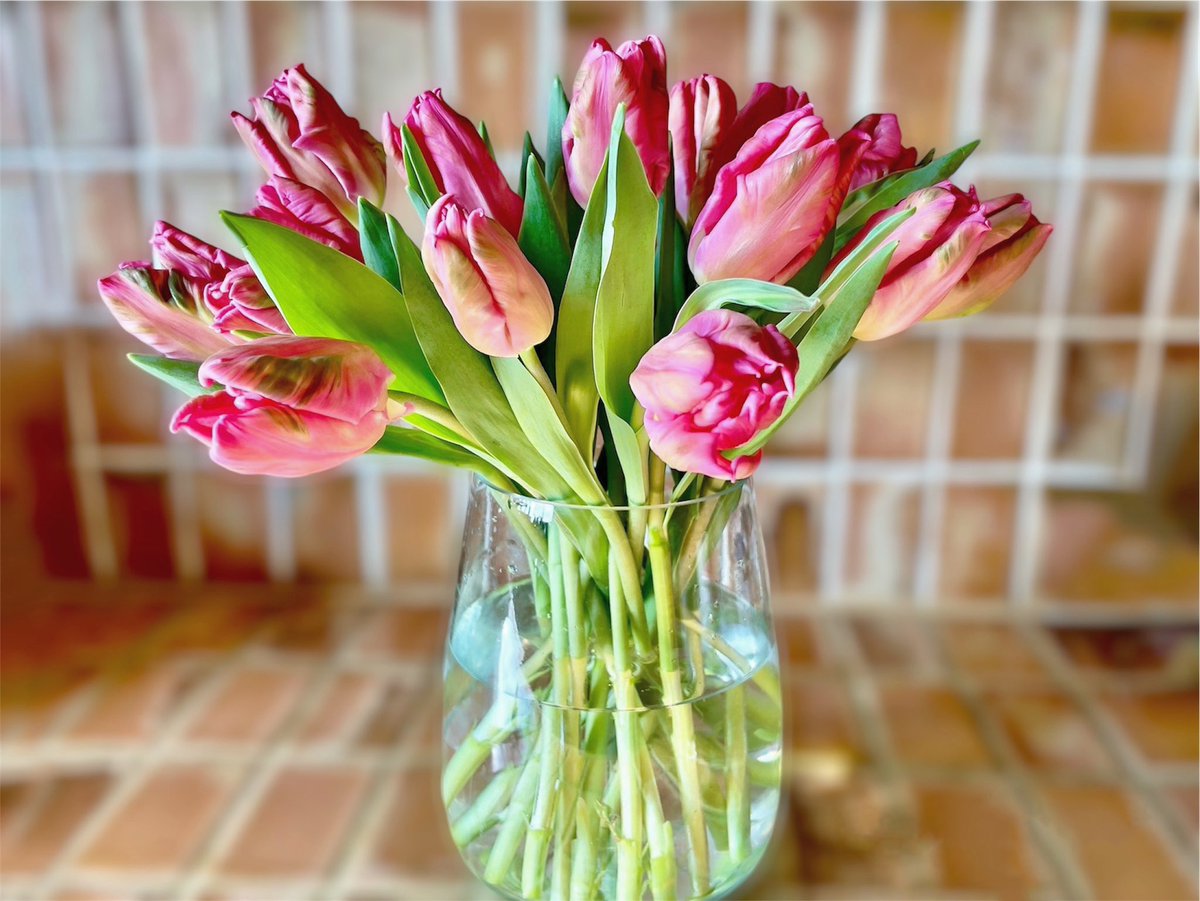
x=621, y=334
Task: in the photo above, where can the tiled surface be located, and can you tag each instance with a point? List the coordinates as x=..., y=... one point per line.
x=247, y=750
x=1041, y=453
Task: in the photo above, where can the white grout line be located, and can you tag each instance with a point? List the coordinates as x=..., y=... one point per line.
x=760, y=41
x=1164, y=267
x=656, y=17
x=835, y=519
x=549, y=25
x=373, y=525
x=281, y=530
x=443, y=33
x=1046, y=384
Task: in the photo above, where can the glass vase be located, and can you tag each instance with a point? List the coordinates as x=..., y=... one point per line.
x=612, y=697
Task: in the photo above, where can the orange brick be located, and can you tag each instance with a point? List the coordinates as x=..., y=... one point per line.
x=61, y=805
x=1124, y=859
x=1050, y=732
x=931, y=726
x=982, y=845
x=341, y=707
x=162, y=823
x=410, y=633
x=414, y=840
x=819, y=719
x=991, y=651
x=893, y=644
x=137, y=708
x=298, y=824
x=250, y=706
x=1163, y=726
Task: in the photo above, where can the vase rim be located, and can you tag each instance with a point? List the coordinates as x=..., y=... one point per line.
x=528, y=503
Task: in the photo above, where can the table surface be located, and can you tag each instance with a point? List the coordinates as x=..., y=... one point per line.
x=235, y=745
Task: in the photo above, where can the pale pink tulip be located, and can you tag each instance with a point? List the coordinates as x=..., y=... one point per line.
x=711, y=387
x=299, y=132
x=289, y=406
x=497, y=299
x=1008, y=250
x=308, y=212
x=774, y=203
x=935, y=248
x=702, y=110
x=457, y=158
x=634, y=74
x=767, y=102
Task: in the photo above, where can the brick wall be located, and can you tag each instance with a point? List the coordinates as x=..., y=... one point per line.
x=1041, y=453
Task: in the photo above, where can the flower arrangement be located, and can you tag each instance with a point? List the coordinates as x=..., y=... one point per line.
x=622, y=334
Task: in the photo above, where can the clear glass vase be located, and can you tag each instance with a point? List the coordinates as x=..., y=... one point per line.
x=612, y=697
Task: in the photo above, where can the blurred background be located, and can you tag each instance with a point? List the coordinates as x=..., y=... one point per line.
x=983, y=534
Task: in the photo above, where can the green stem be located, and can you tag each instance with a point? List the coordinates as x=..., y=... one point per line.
x=737, y=805
x=629, y=843
x=515, y=822
x=477, y=819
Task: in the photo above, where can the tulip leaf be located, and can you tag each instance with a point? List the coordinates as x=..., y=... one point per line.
x=555, y=120
x=543, y=237
x=573, y=330
x=895, y=189
x=528, y=150
x=669, y=261
x=305, y=279
x=470, y=386
x=623, y=329
x=806, y=280
x=826, y=341
x=180, y=374
x=376, y=244
x=414, y=443
x=486, y=138
x=422, y=186
x=744, y=292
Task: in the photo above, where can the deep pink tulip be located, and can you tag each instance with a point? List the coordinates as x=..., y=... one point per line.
x=457, y=158
x=299, y=132
x=774, y=203
x=289, y=406
x=634, y=74
x=498, y=300
x=767, y=102
x=884, y=152
x=307, y=211
x=936, y=247
x=702, y=110
x=711, y=387
x=219, y=282
x=159, y=308
x=1008, y=250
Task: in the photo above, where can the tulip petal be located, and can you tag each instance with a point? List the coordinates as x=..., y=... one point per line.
x=308, y=212
x=134, y=295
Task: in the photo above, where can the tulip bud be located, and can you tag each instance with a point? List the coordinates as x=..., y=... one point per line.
x=457, y=158
x=290, y=406
x=769, y=101
x=497, y=299
x=701, y=111
x=634, y=74
x=774, y=203
x=935, y=248
x=299, y=132
x=159, y=308
x=711, y=387
x=1008, y=250
x=884, y=152
x=308, y=212
x=223, y=288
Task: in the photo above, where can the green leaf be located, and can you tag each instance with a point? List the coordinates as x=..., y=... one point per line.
x=744, y=292
x=376, y=245
x=414, y=443
x=528, y=150
x=573, y=341
x=623, y=329
x=468, y=382
x=326, y=294
x=422, y=186
x=827, y=339
x=893, y=190
x=180, y=374
x=487, y=138
x=543, y=237
x=555, y=120
x=668, y=281
x=806, y=280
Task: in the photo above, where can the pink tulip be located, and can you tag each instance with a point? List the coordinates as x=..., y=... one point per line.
x=701, y=112
x=290, y=406
x=884, y=153
x=774, y=203
x=634, y=74
x=457, y=158
x=158, y=307
x=1015, y=239
x=497, y=299
x=769, y=101
x=299, y=132
x=218, y=282
x=936, y=247
x=711, y=387
x=308, y=212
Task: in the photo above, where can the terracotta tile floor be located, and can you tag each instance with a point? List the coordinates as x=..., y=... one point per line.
x=230, y=746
